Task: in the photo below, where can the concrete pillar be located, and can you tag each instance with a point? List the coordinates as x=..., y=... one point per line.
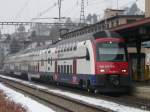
x=147, y=8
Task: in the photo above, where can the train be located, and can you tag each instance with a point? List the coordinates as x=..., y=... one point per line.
x=93, y=61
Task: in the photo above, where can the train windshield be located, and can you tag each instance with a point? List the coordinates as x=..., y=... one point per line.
x=111, y=51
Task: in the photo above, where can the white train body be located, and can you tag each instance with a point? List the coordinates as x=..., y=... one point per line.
x=69, y=61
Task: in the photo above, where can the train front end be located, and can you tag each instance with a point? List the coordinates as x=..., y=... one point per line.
x=111, y=63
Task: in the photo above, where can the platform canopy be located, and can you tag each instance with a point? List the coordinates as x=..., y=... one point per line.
x=137, y=31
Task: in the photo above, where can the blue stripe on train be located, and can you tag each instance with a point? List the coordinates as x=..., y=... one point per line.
x=74, y=79
x=69, y=78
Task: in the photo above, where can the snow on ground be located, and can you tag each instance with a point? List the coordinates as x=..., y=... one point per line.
x=91, y=100
x=26, y=102
x=103, y=103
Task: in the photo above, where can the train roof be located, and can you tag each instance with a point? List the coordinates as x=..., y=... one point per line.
x=87, y=36
x=106, y=34
x=91, y=36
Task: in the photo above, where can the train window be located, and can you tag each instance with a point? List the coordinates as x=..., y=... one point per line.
x=49, y=51
x=61, y=68
x=87, y=54
x=80, y=33
x=65, y=49
x=64, y=68
x=75, y=48
x=49, y=60
x=42, y=62
x=61, y=50
x=16, y=67
x=68, y=49
x=48, y=68
x=75, y=35
x=70, y=69
x=67, y=69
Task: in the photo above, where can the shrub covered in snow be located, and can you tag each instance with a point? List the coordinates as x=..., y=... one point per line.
x=9, y=106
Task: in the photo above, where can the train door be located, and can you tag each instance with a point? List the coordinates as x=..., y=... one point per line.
x=74, y=67
x=38, y=67
x=74, y=77
x=56, y=73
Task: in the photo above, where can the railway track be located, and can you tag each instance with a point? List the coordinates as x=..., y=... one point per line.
x=126, y=100
x=60, y=101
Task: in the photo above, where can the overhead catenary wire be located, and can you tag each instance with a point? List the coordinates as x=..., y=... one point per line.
x=45, y=11
x=48, y=9
x=21, y=10
x=69, y=11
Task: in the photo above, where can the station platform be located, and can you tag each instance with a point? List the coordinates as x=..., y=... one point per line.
x=142, y=90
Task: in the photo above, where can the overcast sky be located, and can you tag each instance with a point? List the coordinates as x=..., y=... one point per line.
x=25, y=10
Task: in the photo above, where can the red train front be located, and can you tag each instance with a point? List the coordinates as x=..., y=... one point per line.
x=111, y=63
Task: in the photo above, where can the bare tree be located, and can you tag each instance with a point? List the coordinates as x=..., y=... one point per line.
x=14, y=46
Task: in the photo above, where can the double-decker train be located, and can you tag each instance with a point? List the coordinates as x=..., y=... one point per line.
x=97, y=61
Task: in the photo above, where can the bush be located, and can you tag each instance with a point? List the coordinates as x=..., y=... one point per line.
x=9, y=106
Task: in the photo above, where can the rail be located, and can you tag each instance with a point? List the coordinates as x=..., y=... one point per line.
x=67, y=103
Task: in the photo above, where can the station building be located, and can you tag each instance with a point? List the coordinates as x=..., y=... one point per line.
x=147, y=8
x=135, y=29
x=114, y=18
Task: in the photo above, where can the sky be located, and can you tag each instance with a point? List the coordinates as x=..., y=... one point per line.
x=26, y=10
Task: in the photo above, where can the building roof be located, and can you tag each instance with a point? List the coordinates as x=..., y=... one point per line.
x=108, y=9
x=97, y=25
x=136, y=31
x=122, y=16
x=145, y=21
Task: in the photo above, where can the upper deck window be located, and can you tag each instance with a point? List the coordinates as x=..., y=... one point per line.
x=49, y=51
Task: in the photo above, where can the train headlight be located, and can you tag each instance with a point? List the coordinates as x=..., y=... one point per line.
x=102, y=70
x=124, y=71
